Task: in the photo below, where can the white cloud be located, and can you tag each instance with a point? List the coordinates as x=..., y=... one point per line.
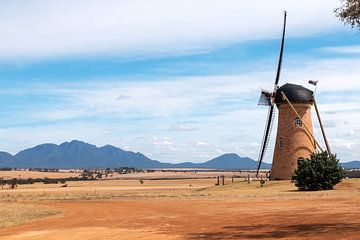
x=354, y=49
x=334, y=75
x=122, y=97
x=342, y=144
x=202, y=144
x=182, y=128
x=46, y=29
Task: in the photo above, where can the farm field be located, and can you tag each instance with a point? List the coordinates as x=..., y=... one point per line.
x=179, y=209
x=36, y=174
x=156, y=174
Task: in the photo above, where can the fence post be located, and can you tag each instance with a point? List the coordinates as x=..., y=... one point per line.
x=222, y=180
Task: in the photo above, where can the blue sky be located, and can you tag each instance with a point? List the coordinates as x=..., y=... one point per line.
x=175, y=80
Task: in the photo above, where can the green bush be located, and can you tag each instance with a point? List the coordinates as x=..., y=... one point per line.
x=321, y=171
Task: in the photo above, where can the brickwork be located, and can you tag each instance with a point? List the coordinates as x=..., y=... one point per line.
x=292, y=140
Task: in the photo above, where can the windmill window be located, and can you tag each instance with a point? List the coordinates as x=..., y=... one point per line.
x=281, y=144
x=298, y=122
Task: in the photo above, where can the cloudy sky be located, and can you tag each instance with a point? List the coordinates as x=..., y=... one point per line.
x=175, y=80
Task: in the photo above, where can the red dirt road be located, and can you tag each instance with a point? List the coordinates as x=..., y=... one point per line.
x=166, y=219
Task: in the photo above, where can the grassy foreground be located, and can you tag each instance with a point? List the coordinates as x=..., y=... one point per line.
x=19, y=213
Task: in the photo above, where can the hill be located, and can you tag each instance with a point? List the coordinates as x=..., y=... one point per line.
x=352, y=164
x=78, y=154
x=6, y=159
x=227, y=161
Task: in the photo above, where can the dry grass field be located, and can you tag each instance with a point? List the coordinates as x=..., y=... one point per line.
x=178, y=174
x=36, y=174
x=165, y=174
x=179, y=209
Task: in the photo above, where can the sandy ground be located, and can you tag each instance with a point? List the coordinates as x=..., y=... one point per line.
x=176, y=210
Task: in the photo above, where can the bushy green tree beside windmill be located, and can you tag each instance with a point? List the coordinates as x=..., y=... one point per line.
x=321, y=171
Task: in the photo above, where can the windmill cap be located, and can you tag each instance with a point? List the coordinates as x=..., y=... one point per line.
x=295, y=94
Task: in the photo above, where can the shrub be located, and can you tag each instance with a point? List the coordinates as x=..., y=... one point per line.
x=321, y=171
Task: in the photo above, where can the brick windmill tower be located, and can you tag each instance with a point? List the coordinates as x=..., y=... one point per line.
x=294, y=138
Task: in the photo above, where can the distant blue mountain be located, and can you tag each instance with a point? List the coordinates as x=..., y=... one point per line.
x=6, y=156
x=6, y=159
x=227, y=161
x=352, y=164
x=78, y=154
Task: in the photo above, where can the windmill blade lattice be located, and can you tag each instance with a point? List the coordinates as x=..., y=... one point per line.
x=271, y=115
x=266, y=137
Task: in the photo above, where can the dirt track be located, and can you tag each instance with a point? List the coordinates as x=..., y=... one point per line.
x=284, y=215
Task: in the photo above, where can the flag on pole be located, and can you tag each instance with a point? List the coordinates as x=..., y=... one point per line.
x=313, y=82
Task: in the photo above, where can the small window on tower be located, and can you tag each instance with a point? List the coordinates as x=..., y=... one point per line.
x=281, y=143
x=298, y=122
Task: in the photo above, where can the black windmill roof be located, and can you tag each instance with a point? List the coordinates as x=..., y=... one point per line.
x=295, y=94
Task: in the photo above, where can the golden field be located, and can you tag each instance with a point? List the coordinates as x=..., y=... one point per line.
x=36, y=174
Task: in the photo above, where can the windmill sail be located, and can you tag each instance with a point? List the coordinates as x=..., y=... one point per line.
x=270, y=118
x=265, y=98
x=266, y=137
x=281, y=53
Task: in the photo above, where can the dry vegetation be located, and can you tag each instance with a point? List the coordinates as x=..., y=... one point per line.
x=180, y=209
x=36, y=174
x=19, y=213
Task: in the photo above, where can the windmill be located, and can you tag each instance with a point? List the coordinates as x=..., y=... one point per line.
x=294, y=138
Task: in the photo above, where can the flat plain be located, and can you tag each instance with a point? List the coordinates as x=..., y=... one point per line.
x=179, y=209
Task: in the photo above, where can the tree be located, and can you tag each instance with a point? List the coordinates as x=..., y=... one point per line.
x=321, y=171
x=349, y=12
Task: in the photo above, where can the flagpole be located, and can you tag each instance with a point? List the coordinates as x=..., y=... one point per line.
x=314, y=82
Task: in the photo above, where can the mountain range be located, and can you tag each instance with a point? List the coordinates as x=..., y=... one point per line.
x=78, y=154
